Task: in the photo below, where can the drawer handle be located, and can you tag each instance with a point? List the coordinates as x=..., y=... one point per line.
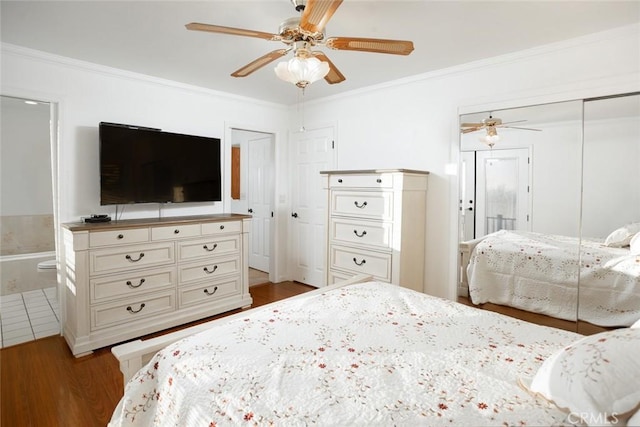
x=378, y=180
x=206, y=269
x=340, y=180
x=222, y=227
x=206, y=291
x=364, y=261
x=132, y=311
x=135, y=260
x=206, y=248
x=176, y=231
x=131, y=285
x=120, y=236
x=360, y=206
x=364, y=232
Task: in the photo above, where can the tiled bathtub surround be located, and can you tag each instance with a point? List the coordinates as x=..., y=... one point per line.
x=20, y=273
x=23, y=234
x=28, y=316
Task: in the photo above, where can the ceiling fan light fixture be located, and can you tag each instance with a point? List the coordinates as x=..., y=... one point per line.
x=301, y=70
x=491, y=138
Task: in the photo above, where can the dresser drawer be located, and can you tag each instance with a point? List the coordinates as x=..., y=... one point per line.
x=361, y=262
x=208, y=270
x=118, y=237
x=133, y=283
x=208, y=292
x=203, y=248
x=363, y=204
x=379, y=180
x=131, y=257
x=175, y=231
x=132, y=310
x=222, y=227
x=369, y=233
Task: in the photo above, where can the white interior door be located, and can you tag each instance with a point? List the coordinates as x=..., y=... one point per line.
x=313, y=152
x=467, y=194
x=502, y=191
x=260, y=189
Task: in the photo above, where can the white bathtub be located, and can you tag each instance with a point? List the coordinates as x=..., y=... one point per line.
x=20, y=273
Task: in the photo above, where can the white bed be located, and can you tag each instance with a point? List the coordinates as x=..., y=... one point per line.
x=368, y=353
x=540, y=273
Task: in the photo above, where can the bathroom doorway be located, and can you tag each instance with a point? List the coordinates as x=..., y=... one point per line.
x=28, y=275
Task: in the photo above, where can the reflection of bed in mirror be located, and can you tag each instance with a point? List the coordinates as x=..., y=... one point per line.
x=540, y=273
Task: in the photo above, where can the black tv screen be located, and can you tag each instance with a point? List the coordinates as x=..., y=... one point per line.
x=144, y=165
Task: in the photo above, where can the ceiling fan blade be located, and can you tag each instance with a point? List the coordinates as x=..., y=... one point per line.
x=396, y=47
x=334, y=76
x=472, y=125
x=470, y=129
x=259, y=63
x=516, y=127
x=196, y=26
x=317, y=13
x=515, y=121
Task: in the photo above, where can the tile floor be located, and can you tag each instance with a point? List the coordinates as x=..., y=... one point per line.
x=28, y=316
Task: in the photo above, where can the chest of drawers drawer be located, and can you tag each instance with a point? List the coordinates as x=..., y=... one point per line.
x=364, y=233
x=221, y=227
x=361, y=261
x=111, y=287
x=99, y=239
x=375, y=181
x=363, y=204
x=205, y=293
x=172, y=232
x=130, y=257
x=132, y=309
x=203, y=248
x=208, y=269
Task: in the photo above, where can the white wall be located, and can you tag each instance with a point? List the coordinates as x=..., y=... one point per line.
x=88, y=94
x=413, y=123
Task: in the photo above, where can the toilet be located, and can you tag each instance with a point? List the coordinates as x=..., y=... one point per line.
x=49, y=264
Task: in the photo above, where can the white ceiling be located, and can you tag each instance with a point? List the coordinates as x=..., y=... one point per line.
x=149, y=36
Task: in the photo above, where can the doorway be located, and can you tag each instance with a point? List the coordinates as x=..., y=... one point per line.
x=29, y=275
x=252, y=190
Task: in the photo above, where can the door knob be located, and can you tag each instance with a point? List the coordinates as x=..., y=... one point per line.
x=295, y=214
x=250, y=210
x=469, y=209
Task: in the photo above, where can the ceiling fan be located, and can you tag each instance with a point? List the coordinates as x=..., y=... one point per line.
x=305, y=32
x=491, y=124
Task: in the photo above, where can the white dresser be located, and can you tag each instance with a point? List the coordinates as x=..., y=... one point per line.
x=129, y=278
x=376, y=225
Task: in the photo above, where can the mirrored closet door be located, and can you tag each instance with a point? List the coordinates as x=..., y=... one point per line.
x=609, y=288
x=520, y=211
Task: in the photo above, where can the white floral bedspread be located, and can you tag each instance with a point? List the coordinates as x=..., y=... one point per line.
x=371, y=354
x=539, y=273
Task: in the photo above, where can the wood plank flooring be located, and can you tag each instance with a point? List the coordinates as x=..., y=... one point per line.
x=42, y=384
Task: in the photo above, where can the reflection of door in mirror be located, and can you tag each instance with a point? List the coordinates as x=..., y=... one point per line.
x=496, y=192
x=520, y=256
x=610, y=268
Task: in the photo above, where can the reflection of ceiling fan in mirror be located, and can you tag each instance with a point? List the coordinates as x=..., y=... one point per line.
x=302, y=34
x=491, y=124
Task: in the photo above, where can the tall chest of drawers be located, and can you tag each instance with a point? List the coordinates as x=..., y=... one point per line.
x=134, y=277
x=376, y=225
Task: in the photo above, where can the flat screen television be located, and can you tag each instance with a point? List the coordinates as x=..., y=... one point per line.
x=145, y=165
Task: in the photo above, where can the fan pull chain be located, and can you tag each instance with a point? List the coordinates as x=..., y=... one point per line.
x=301, y=109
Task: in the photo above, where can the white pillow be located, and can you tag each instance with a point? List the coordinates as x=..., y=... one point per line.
x=636, y=324
x=622, y=236
x=634, y=244
x=595, y=379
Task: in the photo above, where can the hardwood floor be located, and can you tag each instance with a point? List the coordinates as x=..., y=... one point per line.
x=42, y=384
